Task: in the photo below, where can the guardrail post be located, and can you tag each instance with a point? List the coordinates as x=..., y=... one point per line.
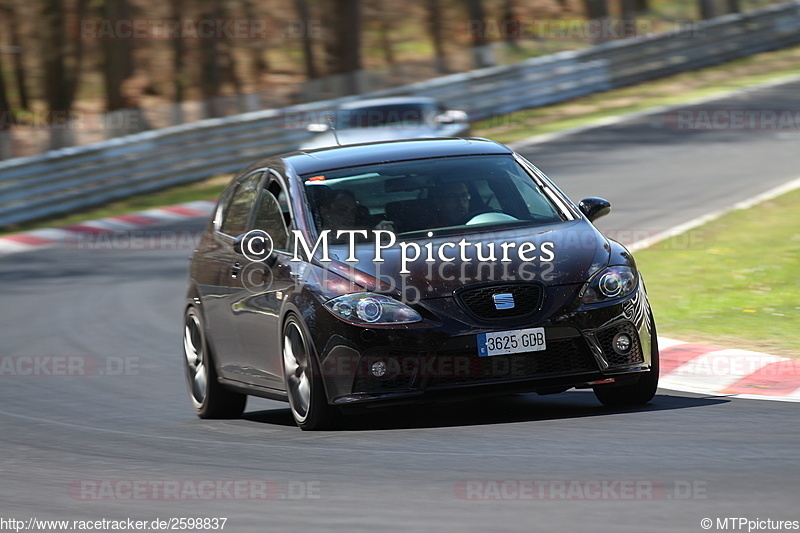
x=5, y=144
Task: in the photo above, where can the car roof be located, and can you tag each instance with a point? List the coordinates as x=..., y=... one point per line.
x=398, y=100
x=333, y=157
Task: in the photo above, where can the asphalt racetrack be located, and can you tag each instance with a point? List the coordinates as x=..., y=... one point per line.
x=118, y=439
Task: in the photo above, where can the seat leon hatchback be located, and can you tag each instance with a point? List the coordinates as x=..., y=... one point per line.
x=409, y=271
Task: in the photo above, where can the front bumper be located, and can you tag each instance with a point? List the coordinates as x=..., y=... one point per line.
x=427, y=362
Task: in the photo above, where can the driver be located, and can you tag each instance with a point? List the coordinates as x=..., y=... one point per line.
x=452, y=203
x=339, y=210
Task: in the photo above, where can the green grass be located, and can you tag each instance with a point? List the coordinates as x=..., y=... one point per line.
x=732, y=282
x=670, y=90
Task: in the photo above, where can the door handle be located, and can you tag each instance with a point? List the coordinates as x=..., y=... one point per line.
x=235, y=269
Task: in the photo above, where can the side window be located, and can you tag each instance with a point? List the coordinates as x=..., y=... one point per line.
x=237, y=212
x=273, y=216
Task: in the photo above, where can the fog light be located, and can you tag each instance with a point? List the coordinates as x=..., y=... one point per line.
x=378, y=369
x=622, y=343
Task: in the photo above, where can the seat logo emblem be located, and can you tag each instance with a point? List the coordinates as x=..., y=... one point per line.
x=503, y=301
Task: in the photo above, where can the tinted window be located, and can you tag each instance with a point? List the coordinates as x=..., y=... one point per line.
x=237, y=213
x=387, y=115
x=272, y=215
x=432, y=194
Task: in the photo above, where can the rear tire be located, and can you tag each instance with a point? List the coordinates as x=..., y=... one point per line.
x=209, y=398
x=303, y=380
x=637, y=393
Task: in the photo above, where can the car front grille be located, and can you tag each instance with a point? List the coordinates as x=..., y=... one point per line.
x=525, y=300
x=562, y=357
x=606, y=339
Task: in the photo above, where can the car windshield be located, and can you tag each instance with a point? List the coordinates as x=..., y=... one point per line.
x=419, y=114
x=445, y=194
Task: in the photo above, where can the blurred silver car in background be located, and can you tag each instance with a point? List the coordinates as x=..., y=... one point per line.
x=384, y=119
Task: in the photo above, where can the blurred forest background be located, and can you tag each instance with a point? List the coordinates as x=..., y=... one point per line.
x=68, y=60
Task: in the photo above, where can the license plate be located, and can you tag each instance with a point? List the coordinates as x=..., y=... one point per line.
x=513, y=341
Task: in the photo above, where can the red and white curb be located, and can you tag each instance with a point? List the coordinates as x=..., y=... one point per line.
x=718, y=371
x=43, y=238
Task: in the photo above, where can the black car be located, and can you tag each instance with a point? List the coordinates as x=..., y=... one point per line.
x=406, y=271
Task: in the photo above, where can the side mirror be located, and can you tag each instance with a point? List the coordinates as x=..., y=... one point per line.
x=452, y=116
x=594, y=208
x=318, y=128
x=238, y=244
x=256, y=247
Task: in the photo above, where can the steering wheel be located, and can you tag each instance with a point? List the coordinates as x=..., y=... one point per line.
x=486, y=215
x=472, y=214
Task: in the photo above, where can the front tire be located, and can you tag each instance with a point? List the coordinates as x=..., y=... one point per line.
x=209, y=398
x=303, y=381
x=637, y=393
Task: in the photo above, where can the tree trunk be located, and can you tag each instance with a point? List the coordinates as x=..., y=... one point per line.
x=6, y=118
x=118, y=57
x=628, y=9
x=734, y=6
x=511, y=26
x=62, y=59
x=477, y=27
x=178, y=64
x=597, y=10
x=386, y=41
x=304, y=14
x=627, y=27
x=20, y=74
x=435, y=29
x=707, y=9
x=227, y=56
x=344, y=46
x=256, y=48
x=211, y=73
x=54, y=48
x=5, y=106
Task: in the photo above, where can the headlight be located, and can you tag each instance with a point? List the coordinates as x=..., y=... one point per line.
x=612, y=283
x=371, y=308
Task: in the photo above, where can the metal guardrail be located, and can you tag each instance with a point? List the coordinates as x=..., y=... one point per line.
x=64, y=180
